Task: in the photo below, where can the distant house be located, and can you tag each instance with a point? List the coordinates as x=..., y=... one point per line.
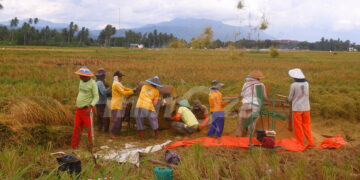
x=140, y=46
x=352, y=49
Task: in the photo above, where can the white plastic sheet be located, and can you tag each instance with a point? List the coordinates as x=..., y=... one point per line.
x=130, y=155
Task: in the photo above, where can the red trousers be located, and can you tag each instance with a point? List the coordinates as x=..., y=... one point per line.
x=302, y=125
x=81, y=121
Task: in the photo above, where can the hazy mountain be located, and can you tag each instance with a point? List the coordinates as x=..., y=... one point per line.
x=189, y=28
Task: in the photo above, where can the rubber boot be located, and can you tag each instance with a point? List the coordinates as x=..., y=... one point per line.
x=156, y=133
x=141, y=134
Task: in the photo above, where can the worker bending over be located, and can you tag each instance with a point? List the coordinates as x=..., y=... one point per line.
x=185, y=121
x=201, y=113
x=148, y=98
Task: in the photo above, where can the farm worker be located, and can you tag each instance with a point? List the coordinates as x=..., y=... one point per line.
x=299, y=96
x=249, y=101
x=185, y=121
x=117, y=102
x=102, y=111
x=217, y=109
x=201, y=113
x=148, y=98
x=87, y=98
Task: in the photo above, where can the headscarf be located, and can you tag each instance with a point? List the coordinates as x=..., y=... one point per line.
x=116, y=80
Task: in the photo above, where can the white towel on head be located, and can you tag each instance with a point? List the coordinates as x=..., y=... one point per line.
x=116, y=80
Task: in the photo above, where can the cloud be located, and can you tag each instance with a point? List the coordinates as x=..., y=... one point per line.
x=285, y=16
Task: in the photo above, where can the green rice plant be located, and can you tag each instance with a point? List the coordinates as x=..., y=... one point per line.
x=328, y=170
x=297, y=170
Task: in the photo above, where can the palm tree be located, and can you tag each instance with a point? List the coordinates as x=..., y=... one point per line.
x=83, y=35
x=71, y=26
x=106, y=34
x=13, y=24
x=109, y=31
x=25, y=29
x=32, y=29
x=36, y=20
x=76, y=28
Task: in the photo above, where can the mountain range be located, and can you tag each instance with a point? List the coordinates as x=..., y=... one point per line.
x=183, y=28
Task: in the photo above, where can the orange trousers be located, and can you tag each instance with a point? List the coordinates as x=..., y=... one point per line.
x=82, y=121
x=302, y=125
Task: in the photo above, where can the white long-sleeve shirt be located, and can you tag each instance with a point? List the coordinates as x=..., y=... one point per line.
x=299, y=96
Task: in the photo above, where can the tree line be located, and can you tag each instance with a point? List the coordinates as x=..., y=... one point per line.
x=328, y=45
x=27, y=34
x=72, y=35
x=151, y=40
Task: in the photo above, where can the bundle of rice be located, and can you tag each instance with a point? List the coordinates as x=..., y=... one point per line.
x=38, y=110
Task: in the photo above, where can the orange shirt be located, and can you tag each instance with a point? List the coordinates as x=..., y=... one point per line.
x=216, y=102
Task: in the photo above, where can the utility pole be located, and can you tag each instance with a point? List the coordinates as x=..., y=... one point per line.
x=250, y=29
x=119, y=18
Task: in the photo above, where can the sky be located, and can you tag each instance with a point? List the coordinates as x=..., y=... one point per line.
x=292, y=19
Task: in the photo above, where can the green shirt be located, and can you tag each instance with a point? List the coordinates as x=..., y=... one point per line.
x=188, y=117
x=88, y=94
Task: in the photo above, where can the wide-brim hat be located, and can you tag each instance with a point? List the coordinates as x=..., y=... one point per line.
x=184, y=103
x=196, y=104
x=296, y=73
x=118, y=74
x=84, y=71
x=101, y=72
x=155, y=81
x=256, y=74
x=216, y=84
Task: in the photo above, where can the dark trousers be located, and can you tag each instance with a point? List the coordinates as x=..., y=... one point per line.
x=103, y=118
x=117, y=115
x=217, y=125
x=180, y=128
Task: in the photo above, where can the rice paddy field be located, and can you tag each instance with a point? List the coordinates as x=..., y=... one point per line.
x=38, y=89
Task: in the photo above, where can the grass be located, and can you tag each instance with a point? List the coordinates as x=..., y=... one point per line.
x=38, y=92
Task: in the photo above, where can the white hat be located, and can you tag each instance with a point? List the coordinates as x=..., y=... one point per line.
x=296, y=73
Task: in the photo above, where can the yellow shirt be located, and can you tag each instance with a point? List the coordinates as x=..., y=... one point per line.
x=216, y=102
x=147, y=95
x=188, y=117
x=118, y=93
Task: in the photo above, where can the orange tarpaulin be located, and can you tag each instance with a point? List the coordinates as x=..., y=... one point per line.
x=231, y=142
x=332, y=143
x=289, y=144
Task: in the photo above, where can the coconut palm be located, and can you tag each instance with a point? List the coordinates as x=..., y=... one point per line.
x=13, y=24
x=76, y=29
x=36, y=20
x=107, y=33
